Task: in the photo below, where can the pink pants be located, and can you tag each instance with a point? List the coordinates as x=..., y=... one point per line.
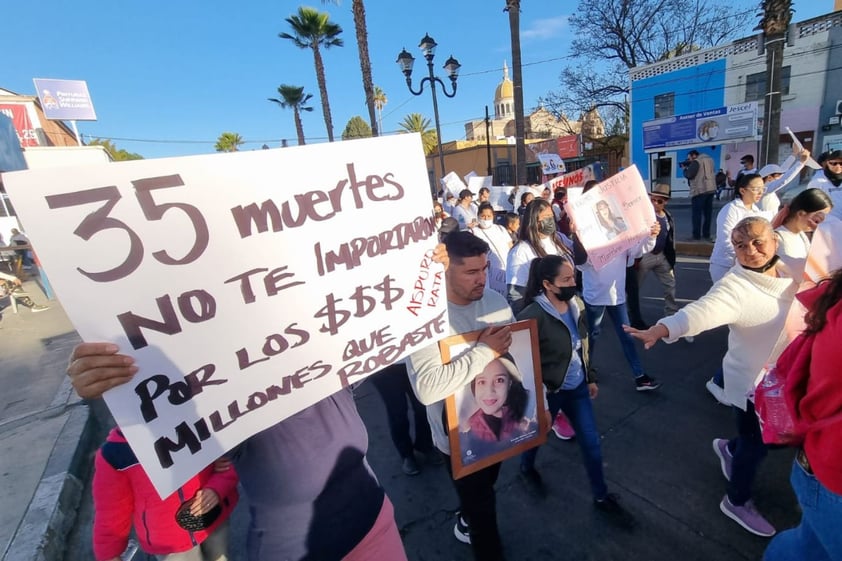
x=383, y=541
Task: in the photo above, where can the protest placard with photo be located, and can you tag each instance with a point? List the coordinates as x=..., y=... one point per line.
x=501, y=413
x=247, y=286
x=614, y=216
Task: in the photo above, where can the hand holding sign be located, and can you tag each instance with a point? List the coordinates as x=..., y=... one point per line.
x=199, y=268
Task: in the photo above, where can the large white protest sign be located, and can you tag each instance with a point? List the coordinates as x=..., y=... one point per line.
x=477, y=182
x=248, y=286
x=613, y=216
x=453, y=184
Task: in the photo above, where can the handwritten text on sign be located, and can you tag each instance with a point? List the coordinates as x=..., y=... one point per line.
x=612, y=217
x=248, y=286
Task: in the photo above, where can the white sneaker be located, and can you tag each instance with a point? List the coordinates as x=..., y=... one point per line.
x=716, y=392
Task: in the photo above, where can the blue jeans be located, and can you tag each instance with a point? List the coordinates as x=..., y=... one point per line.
x=619, y=317
x=576, y=404
x=747, y=450
x=817, y=537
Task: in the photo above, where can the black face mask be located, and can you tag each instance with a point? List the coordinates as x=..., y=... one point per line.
x=547, y=226
x=565, y=293
x=765, y=267
x=833, y=177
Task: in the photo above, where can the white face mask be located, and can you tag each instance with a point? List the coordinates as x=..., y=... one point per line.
x=485, y=224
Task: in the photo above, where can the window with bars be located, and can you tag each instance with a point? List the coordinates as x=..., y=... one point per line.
x=756, y=84
x=665, y=105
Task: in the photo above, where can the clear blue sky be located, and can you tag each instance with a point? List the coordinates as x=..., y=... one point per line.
x=164, y=72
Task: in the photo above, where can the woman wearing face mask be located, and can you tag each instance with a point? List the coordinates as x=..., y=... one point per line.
x=499, y=242
x=571, y=385
x=753, y=300
x=798, y=220
x=538, y=238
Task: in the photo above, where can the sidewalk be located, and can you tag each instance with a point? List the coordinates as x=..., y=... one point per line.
x=43, y=429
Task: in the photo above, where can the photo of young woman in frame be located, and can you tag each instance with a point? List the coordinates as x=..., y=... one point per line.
x=502, y=411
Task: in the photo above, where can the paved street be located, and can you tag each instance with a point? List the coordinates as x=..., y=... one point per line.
x=658, y=458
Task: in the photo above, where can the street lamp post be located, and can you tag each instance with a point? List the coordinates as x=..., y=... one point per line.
x=406, y=60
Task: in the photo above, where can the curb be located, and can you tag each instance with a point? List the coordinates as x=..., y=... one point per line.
x=694, y=249
x=51, y=514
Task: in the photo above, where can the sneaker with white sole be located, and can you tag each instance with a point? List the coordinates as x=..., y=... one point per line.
x=747, y=516
x=645, y=383
x=461, y=530
x=720, y=448
x=717, y=392
x=562, y=427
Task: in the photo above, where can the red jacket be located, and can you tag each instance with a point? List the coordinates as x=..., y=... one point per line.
x=816, y=393
x=124, y=495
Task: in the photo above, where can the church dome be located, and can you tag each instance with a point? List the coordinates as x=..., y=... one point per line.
x=504, y=96
x=506, y=88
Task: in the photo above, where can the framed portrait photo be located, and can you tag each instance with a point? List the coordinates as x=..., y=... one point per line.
x=501, y=413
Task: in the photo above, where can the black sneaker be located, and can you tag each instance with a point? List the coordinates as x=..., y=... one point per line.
x=461, y=530
x=410, y=466
x=646, y=383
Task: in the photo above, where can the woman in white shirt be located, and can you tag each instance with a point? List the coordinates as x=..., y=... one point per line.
x=499, y=243
x=802, y=216
x=538, y=238
x=750, y=190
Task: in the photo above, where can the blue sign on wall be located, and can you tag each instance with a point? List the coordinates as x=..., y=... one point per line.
x=734, y=123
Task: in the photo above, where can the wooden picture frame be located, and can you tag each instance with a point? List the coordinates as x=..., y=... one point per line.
x=506, y=426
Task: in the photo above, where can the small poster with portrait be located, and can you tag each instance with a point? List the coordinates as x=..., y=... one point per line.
x=502, y=412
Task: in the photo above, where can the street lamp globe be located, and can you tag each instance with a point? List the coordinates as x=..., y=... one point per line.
x=428, y=46
x=406, y=61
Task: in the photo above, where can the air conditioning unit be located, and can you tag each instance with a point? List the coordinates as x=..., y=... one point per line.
x=839, y=107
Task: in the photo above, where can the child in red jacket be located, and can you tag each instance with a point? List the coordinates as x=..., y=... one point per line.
x=124, y=495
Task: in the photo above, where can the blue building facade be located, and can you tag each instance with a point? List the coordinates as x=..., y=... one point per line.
x=688, y=89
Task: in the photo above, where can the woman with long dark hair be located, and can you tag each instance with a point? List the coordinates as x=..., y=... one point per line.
x=563, y=347
x=798, y=221
x=538, y=238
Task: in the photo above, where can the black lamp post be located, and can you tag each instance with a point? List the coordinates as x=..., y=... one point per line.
x=406, y=60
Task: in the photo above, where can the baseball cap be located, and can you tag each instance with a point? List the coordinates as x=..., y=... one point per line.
x=769, y=169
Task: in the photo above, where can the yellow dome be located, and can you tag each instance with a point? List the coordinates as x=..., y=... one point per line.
x=506, y=89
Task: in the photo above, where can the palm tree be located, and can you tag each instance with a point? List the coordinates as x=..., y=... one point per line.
x=313, y=30
x=379, y=102
x=774, y=23
x=513, y=7
x=416, y=122
x=358, y=8
x=228, y=142
x=293, y=97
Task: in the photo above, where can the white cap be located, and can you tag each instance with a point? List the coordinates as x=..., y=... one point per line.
x=769, y=169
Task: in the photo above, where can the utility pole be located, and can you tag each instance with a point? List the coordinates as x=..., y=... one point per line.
x=488, y=140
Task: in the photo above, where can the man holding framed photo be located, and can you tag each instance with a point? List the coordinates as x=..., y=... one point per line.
x=471, y=307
